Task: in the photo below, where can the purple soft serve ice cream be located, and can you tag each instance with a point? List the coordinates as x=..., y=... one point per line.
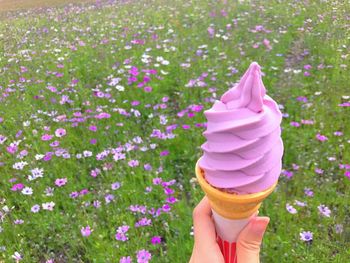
x=243, y=151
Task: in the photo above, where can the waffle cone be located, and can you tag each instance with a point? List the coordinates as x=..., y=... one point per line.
x=232, y=206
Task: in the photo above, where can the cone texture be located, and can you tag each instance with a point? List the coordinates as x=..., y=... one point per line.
x=232, y=206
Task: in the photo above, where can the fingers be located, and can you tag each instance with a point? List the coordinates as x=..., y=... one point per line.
x=250, y=238
x=204, y=228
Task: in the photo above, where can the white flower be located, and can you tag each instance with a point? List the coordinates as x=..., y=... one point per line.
x=2, y=139
x=165, y=62
x=120, y=88
x=87, y=153
x=37, y=172
x=17, y=256
x=153, y=146
x=114, y=81
x=27, y=191
x=19, y=165
x=48, y=206
x=39, y=156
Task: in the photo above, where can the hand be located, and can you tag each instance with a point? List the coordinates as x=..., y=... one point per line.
x=206, y=249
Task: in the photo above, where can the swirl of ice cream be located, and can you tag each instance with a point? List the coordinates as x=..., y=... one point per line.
x=244, y=149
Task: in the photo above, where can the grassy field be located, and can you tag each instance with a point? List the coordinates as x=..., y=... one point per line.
x=101, y=114
x=23, y=5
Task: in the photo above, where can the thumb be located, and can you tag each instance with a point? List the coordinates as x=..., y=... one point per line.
x=250, y=238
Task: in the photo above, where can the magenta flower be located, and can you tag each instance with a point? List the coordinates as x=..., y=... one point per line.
x=347, y=174
x=86, y=231
x=164, y=153
x=60, y=132
x=17, y=187
x=156, y=240
x=143, y=256
x=60, y=182
x=321, y=138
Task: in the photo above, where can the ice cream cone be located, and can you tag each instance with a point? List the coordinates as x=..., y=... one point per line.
x=232, y=206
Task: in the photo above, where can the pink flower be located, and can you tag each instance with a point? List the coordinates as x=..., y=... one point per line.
x=321, y=138
x=46, y=137
x=133, y=163
x=147, y=89
x=125, y=259
x=266, y=43
x=295, y=124
x=121, y=234
x=60, y=132
x=86, y=231
x=211, y=32
x=324, y=210
x=93, y=128
x=95, y=172
x=308, y=192
x=143, y=256
x=60, y=181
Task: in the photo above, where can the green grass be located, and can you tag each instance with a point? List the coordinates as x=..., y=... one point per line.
x=301, y=34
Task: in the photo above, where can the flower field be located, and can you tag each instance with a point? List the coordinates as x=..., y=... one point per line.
x=101, y=122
